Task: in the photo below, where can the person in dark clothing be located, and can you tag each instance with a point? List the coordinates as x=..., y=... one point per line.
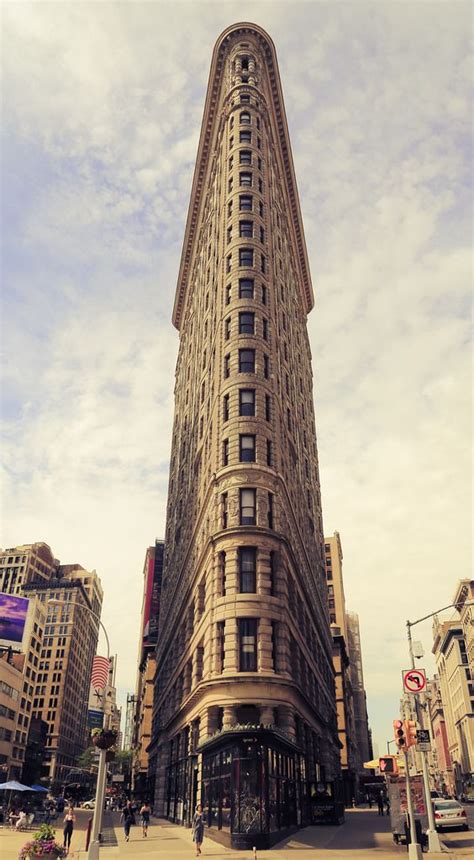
x=380, y=803
x=69, y=820
x=198, y=828
x=128, y=818
x=145, y=813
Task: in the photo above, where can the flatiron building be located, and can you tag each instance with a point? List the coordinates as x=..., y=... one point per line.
x=244, y=716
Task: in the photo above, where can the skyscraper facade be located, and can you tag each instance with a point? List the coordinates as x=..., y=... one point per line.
x=58, y=661
x=244, y=713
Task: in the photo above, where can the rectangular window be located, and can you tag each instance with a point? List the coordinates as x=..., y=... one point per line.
x=231, y=141
x=247, y=507
x=247, y=644
x=228, y=293
x=228, y=263
x=246, y=229
x=260, y=186
x=272, y=572
x=275, y=655
x=245, y=156
x=245, y=202
x=269, y=453
x=229, y=208
x=265, y=328
x=259, y=163
x=270, y=510
x=227, y=328
x=220, y=645
x=266, y=366
x=262, y=263
x=227, y=366
x=268, y=409
x=224, y=509
x=262, y=235
x=222, y=561
x=246, y=323
x=245, y=180
x=246, y=361
x=225, y=452
x=247, y=448
x=246, y=288
x=246, y=257
x=245, y=118
x=264, y=294
x=229, y=235
x=248, y=569
x=247, y=401
x=245, y=136
x=225, y=409
x=231, y=162
x=230, y=184
x=260, y=209
x=245, y=98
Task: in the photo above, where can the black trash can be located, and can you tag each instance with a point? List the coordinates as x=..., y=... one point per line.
x=420, y=838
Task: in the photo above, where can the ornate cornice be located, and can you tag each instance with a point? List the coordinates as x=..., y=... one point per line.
x=209, y=123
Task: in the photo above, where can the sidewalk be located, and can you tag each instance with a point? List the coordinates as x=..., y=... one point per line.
x=362, y=837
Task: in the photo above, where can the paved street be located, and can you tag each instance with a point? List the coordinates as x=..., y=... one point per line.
x=365, y=835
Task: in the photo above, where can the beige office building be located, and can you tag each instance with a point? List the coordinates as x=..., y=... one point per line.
x=457, y=693
x=351, y=762
x=58, y=661
x=244, y=710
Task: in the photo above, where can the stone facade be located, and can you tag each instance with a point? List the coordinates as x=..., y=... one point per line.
x=244, y=634
x=59, y=654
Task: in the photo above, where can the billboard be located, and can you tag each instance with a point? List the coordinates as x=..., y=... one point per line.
x=13, y=618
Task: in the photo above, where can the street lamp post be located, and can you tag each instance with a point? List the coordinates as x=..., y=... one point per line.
x=94, y=845
x=434, y=843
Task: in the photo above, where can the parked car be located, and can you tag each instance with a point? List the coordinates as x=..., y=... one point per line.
x=449, y=814
x=88, y=804
x=469, y=796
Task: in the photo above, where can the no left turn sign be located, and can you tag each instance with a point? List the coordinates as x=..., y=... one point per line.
x=414, y=680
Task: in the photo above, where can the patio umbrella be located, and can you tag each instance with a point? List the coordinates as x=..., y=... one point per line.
x=39, y=788
x=13, y=786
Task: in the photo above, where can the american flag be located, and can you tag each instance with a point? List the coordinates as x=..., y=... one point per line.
x=100, y=673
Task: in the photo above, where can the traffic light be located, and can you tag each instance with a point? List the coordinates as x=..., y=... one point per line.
x=388, y=764
x=409, y=727
x=399, y=734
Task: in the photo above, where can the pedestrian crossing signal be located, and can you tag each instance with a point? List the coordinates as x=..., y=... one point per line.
x=388, y=764
x=399, y=734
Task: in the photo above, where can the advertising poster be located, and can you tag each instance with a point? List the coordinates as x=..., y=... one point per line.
x=13, y=616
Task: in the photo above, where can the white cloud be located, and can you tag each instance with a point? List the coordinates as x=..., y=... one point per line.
x=103, y=109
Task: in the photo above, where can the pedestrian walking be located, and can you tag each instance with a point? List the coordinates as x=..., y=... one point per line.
x=69, y=820
x=198, y=828
x=369, y=800
x=387, y=805
x=128, y=818
x=380, y=802
x=145, y=814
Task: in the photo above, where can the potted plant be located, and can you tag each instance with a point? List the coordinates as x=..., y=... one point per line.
x=103, y=739
x=43, y=845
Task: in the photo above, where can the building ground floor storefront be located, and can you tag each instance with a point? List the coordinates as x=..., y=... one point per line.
x=255, y=784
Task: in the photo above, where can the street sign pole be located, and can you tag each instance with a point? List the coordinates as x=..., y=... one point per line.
x=415, y=851
x=434, y=843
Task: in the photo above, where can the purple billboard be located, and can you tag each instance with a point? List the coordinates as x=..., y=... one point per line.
x=13, y=614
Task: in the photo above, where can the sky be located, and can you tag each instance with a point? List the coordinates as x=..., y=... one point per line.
x=102, y=110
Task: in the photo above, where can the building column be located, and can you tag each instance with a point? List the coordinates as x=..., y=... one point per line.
x=231, y=572
x=265, y=645
x=229, y=717
x=287, y=720
x=267, y=716
x=231, y=647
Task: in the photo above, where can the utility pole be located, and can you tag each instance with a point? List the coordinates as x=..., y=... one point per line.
x=415, y=851
x=434, y=843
